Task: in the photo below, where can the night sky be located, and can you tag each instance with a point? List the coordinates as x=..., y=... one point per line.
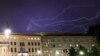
x=29, y=16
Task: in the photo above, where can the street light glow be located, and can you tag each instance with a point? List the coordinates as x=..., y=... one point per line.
x=39, y=52
x=77, y=45
x=57, y=52
x=23, y=54
x=81, y=53
x=7, y=31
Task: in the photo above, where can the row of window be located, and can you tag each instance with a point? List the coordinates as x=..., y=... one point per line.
x=27, y=38
x=69, y=40
x=29, y=43
x=33, y=49
x=27, y=55
x=60, y=45
x=23, y=50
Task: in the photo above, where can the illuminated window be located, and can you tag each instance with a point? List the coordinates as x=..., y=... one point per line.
x=34, y=38
x=31, y=38
x=38, y=38
x=28, y=38
x=70, y=45
x=14, y=37
x=25, y=38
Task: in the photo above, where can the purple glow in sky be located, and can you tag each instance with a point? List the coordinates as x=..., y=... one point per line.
x=28, y=16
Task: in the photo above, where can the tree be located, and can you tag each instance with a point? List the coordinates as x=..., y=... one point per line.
x=72, y=52
x=95, y=31
x=94, y=51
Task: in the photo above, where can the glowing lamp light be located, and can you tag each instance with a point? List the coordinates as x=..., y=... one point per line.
x=81, y=53
x=7, y=31
x=39, y=52
x=57, y=52
x=22, y=54
x=77, y=45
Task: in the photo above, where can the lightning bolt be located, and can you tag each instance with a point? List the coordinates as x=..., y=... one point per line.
x=32, y=22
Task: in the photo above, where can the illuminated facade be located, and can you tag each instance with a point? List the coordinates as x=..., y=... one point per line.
x=20, y=45
x=55, y=45
x=41, y=45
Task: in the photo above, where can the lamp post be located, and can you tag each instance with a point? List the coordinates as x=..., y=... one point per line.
x=7, y=32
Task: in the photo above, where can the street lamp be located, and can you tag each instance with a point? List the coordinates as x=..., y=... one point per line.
x=81, y=52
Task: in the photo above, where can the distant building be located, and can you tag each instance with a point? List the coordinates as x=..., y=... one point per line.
x=55, y=45
x=42, y=44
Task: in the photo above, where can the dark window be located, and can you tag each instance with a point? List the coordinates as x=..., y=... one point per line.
x=32, y=43
x=35, y=49
x=15, y=49
x=29, y=49
x=38, y=44
x=14, y=43
x=4, y=50
x=53, y=45
x=38, y=48
x=11, y=49
x=22, y=49
x=53, y=40
x=11, y=43
x=22, y=44
x=32, y=49
x=28, y=43
x=35, y=43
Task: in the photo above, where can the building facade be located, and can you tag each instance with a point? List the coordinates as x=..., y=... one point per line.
x=55, y=45
x=41, y=45
x=20, y=45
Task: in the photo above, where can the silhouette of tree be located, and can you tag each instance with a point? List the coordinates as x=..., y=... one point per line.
x=83, y=49
x=72, y=52
x=94, y=51
x=95, y=31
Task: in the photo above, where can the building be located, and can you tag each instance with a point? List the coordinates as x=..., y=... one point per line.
x=20, y=45
x=59, y=45
x=42, y=45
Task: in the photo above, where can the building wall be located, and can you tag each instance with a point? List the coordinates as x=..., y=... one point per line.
x=53, y=45
x=30, y=44
x=48, y=45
